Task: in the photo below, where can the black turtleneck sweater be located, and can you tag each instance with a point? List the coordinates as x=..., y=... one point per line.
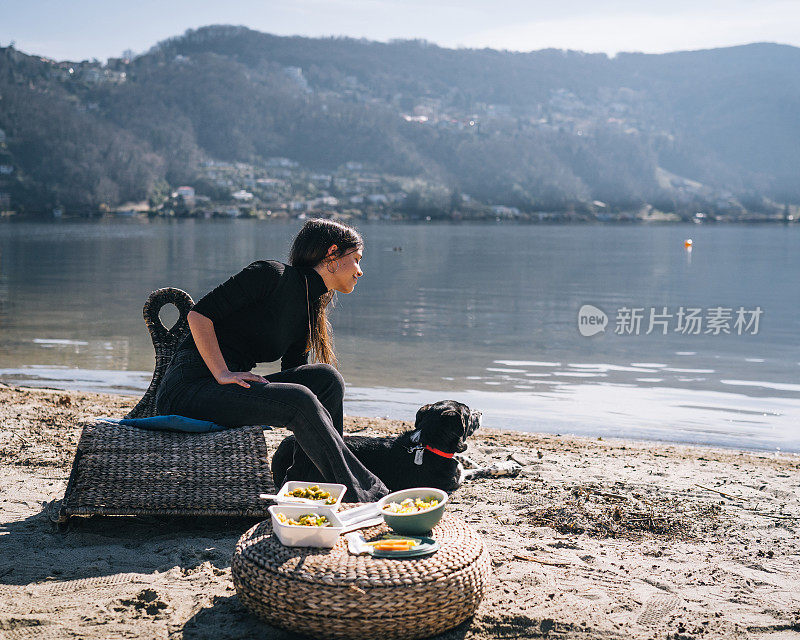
x=260, y=314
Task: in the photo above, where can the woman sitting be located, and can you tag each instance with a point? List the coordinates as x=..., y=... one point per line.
x=270, y=311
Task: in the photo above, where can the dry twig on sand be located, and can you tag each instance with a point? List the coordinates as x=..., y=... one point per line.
x=727, y=495
x=519, y=556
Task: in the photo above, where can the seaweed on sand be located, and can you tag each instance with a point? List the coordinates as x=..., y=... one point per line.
x=601, y=512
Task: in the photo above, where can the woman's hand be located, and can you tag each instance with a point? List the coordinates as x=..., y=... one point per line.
x=240, y=378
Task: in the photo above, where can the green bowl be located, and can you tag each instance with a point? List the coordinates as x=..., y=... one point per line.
x=411, y=524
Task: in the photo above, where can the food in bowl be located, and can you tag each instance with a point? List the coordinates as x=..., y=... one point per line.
x=418, y=510
x=306, y=520
x=322, y=494
x=311, y=493
x=321, y=529
x=412, y=505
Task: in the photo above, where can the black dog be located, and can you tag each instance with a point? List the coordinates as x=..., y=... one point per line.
x=422, y=457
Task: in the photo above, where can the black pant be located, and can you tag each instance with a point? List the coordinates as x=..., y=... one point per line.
x=306, y=400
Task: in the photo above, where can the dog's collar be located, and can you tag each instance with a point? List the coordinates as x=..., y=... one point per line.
x=417, y=450
x=439, y=453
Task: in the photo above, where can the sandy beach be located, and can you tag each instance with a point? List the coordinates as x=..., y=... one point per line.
x=593, y=539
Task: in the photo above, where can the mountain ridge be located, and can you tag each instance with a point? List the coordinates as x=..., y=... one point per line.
x=551, y=129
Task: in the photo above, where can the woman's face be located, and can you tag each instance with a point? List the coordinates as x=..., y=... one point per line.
x=348, y=271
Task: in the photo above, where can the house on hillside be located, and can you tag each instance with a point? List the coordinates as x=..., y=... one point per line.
x=242, y=195
x=502, y=211
x=187, y=193
x=325, y=201
x=115, y=77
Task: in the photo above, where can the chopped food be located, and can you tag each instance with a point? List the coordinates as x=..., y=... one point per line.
x=393, y=538
x=412, y=505
x=393, y=545
x=391, y=542
x=311, y=493
x=307, y=520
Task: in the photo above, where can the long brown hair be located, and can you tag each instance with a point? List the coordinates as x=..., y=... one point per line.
x=310, y=247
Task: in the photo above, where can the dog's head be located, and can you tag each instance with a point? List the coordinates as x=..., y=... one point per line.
x=446, y=425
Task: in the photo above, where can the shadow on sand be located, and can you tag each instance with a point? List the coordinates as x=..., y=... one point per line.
x=227, y=619
x=37, y=550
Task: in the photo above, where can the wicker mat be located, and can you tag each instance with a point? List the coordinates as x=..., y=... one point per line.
x=329, y=593
x=122, y=470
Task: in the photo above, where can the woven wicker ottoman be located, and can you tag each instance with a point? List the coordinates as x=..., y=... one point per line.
x=329, y=593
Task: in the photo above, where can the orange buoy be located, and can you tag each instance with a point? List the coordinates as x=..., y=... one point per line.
x=687, y=243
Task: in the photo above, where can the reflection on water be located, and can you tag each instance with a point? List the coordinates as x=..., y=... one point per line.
x=482, y=312
x=616, y=410
x=606, y=409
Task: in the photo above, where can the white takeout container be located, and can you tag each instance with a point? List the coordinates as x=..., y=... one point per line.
x=336, y=490
x=292, y=535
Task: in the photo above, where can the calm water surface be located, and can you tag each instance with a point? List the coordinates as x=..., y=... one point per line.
x=487, y=314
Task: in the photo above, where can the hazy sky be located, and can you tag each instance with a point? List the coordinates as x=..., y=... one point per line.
x=82, y=29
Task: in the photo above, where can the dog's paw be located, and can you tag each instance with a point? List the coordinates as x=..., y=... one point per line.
x=507, y=468
x=465, y=461
x=460, y=476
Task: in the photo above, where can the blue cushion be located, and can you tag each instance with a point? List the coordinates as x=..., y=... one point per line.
x=172, y=423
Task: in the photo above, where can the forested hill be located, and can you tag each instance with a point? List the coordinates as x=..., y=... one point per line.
x=548, y=130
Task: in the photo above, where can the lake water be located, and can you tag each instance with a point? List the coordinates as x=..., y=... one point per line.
x=483, y=313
